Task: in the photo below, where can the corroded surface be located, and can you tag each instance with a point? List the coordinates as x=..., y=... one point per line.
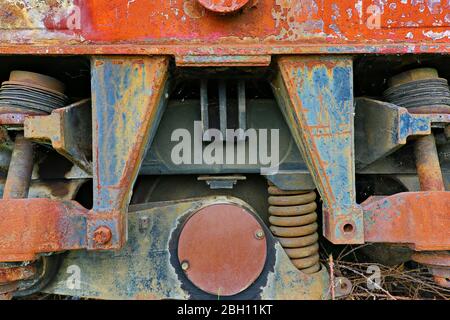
x=186, y=28
x=148, y=267
x=316, y=97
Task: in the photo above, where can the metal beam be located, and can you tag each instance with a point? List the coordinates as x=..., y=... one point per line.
x=315, y=94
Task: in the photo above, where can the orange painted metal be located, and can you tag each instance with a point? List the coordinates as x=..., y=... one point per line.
x=184, y=27
x=32, y=226
x=222, y=249
x=419, y=219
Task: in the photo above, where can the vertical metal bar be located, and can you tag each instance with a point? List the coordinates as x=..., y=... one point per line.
x=129, y=96
x=427, y=164
x=242, y=108
x=315, y=94
x=223, y=107
x=204, y=108
x=20, y=169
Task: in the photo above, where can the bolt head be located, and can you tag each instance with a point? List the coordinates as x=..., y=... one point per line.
x=102, y=235
x=223, y=6
x=185, y=265
x=259, y=234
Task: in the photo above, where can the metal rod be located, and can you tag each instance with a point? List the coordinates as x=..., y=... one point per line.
x=20, y=169
x=223, y=107
x=204, y=108
x=427, y=164
x=242, y=108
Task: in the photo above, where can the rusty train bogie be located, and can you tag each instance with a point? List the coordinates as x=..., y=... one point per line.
x=146, y=164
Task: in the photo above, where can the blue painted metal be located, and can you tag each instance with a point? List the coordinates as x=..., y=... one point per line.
x=315, y=94
x=128, y=98
x=382, y=128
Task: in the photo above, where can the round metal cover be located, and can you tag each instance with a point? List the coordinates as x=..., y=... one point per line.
x=222, y=249
x=223, y=6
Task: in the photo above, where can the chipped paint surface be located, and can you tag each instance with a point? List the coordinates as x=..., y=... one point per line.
x=184, y=27
x=288, y=283
x=405, y=218
x=127, y=104
x=148, y=266
x=315, y=94
x=25, y=21
x=34, y=14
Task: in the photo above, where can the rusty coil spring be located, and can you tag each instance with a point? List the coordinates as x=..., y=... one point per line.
x=293, y=221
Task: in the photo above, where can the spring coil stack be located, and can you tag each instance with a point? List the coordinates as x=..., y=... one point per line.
x=31, y=93
x=420, y=91
x=293, y=221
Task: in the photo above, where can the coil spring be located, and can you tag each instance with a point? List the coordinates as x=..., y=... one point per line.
x=293, y=221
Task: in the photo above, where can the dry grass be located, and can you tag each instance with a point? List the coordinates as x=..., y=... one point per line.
x=401, y=282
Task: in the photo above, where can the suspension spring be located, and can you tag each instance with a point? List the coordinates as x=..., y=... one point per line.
x=293, y=221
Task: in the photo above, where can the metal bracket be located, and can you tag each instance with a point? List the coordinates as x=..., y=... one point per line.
x=68, y=129
x=221, y=182
x=381, y=128
x=419, y=219
x=223, y=110
x=129, y=95
x=315, y=94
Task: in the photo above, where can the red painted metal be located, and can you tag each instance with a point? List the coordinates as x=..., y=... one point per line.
x=222, y=249
x=184, y=27
x=32, y=226
x=419, y=219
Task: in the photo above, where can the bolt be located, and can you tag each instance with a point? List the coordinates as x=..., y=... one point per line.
x=185, y=265
x=259, y=234
x=102, y=235
x=144, y=223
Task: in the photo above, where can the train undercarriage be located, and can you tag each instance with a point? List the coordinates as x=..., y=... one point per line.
x=135, y=170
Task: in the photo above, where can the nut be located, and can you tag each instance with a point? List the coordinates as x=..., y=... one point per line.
x=259, y=234
x=102, y=235
x=185, y=265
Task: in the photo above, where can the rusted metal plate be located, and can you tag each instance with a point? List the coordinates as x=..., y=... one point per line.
x=185, y=27
x=315, y=94
x=222, y=249
x=32, y=226
x=419, y=219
